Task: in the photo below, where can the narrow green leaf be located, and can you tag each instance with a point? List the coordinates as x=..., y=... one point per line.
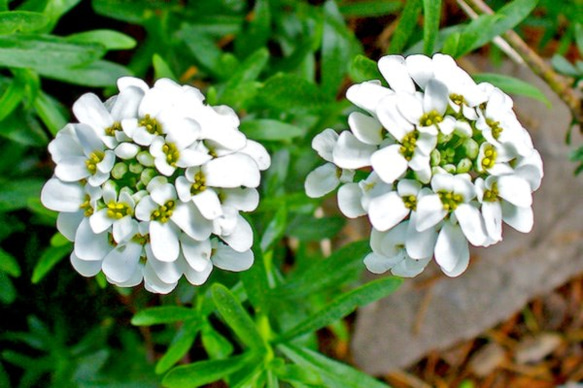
x=216, y=345
x=110, y=39
x=364, y=9
x=162, y=69
x=256, y=283
x=343, y=266
x=270, y=130
x=96, y=74
x=136, y=12
x=203, y=48
x=39, y=51
x=49, y=258
x=308, y=228
x=11, y=97
x=514, y=86
x=451, y=44
x=296, y=373
x=9, y=264
x=407, y=24
x=257, y=32
x=180, y=345
x=431, y=17
x=163, y=314
x=290, y=93
x=236, y=317
x=21, y=21
x=14, y=194
x=334, y=373
x=579, y=36
x=204, y=372
x=343, y=305
x=364, y=69
x=274, y=230
x=471, y=37
x=241, y=86
x=7, y=290
x=52, y=113
x=562, y=65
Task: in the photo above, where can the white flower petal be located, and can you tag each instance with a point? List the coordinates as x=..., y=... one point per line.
x=232, y=171
x=367, y=129
x=72, y=169
x=321, y=181
x=124, y=229
x=91, y=246
x=167, y=272
x=409, y=267
x=436, y=97
x=391, y=118
x=258, y=153
x=492, y=213
x=419, y=245
x=515, y=190
x=386, y=211
x=153, y=283
x=144, y=209
x=410, y=107
x=198, y=277
x=451, y=250
x=520, y=218
x=241, y=239
x=127, y=150
x=324, y=142
x=394, y=70
x=367, y=95
x=190, y=220
x=388, y=163
x=241, y=198
x=349, y=200
x=67, y=224
x=420, y=68
x=208, y=204
x=90, y=110
x=100, y=222
x=62, y=196
x=84, y=267
x=183, y=186
x=429, y=212
x=228, y=259
x=472, y=224
x=164, y=240
x=351, y=153
x=196, y=253
x=379, y=264
x=120, y=264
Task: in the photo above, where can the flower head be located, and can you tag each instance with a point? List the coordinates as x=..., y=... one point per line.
x=149, y=186
x=439, y=161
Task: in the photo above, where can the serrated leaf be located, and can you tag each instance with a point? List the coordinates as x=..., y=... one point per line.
x=21, y=21
x=9, y=264
x=204, y=372
x=179, y=346
x=163, y=314
x=407, y=24
x=236, y=317
x=110, y=39
x=514, y=86
x=342, y=306
x=270, y=130
x=290, y=93
x=431, y=17
x=343, y=266
x=50, y=257
x=333, y=373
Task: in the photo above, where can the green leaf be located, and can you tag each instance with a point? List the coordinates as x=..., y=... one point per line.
x=7, y=290
x=307, y=228
x=407, y=24
x=204, y=49
x=256, y=283
x=21, y=21
x=363, y=9
x=431, y=17
x=471, y=35
x=204, y=372
x=562, y=65
x=50, y=257
x=514, y=86
x=14, y=194
x=364, y=69
x=9, y=264
x=180, y=345
x=579, y=36
x=334, y=374
x=343, y=266
x=270, y=130
x=216, y=346
x=11, y=97
x=343, y=305
x=38, y=52
x=162, y=69
x=275, y=229
x=111, y=40
x=236, y=317
x=290, y=93
x=136, y=12
x=52, y=113
x=241, y=86
x=163, y=314
x=96, y=74
x=295, y=373
x=257, y=32
x=22, y=127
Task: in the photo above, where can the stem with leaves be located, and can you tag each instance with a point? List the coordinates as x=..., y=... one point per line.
x=559, y=84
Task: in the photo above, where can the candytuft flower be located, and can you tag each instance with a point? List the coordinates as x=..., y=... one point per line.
x=149, y=186
x=440, y=162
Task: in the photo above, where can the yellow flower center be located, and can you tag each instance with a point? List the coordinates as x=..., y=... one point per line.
x=172, y=154
x=430, y=118
x=164, y=212
x=490, y=155
x=450, y=200
x=492, y=194
x=118, y=210
x=408, y=144
x=86, y=206
x=496, y=128
x=410, y=202
x=94, y=159
x=110, y=131
x=151, y=124
x=457, y=99
x=199, y=184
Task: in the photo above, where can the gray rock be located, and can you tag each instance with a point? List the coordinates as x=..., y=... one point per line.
x=433, y=312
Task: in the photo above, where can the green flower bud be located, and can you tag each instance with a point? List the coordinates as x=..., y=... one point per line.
x=136, y=168
x=464, y=165
x=147, y=175
x=145, y=159
x=119, y=170
x=435, y=158
x=470, y=148
x=450, y=168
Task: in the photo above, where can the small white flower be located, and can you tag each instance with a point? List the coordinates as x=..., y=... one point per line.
x=440, y=147
x=116, y=181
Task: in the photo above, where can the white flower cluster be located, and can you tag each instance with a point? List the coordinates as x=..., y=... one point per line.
x=149, y=186
x=435, y=160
